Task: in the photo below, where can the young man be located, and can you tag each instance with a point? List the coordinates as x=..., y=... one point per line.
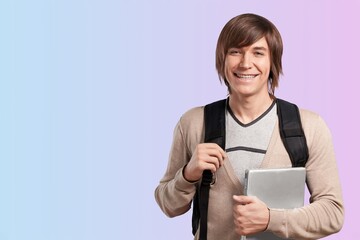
x=248, y=60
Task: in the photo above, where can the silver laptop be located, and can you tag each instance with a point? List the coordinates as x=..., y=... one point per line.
x=278, y=188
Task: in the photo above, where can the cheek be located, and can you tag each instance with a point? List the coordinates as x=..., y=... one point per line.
x=227, y=68
x=230, y=64
x=265, y=65
x=268, y=64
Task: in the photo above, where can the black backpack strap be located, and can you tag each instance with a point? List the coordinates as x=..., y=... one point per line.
x=292, y=133
x=214, y=120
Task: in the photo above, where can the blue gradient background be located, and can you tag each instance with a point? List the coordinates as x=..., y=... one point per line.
x=90, y=92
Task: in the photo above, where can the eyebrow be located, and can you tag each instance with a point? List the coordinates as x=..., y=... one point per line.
x=260, y=48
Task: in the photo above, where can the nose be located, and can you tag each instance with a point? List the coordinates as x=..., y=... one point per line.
x=245, y=61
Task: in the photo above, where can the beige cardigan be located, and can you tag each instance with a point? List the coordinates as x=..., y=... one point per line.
x=324, y=216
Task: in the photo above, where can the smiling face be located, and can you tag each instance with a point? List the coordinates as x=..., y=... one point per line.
x=247, y=69
x=242, y=33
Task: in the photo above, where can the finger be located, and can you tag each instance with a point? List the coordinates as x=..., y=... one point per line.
x=212, y=167
x=211, y=163
x=216, y=162
x=205, y=150
x=238, y=210
x=217, y=147
x=216, y=155
x=242, y=199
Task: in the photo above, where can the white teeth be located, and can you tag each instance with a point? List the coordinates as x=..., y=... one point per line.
x=245, y=76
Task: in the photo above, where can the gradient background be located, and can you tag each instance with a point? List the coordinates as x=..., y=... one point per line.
x=90, y=92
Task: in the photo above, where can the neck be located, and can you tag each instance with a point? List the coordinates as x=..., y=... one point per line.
x=247, y=109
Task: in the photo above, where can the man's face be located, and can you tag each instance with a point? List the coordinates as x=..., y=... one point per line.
x=247, y=69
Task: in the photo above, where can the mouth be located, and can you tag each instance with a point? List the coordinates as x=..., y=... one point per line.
x=246, y=76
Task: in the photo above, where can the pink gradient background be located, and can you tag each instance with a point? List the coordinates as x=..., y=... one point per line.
x=90, y=92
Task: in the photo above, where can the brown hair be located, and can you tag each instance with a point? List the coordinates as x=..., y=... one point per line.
x=244, y=30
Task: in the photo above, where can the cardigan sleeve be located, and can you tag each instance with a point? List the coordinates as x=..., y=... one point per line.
x=174, y=193
x=325, y=213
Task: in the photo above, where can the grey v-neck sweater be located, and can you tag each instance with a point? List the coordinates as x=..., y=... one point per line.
x=246, y=144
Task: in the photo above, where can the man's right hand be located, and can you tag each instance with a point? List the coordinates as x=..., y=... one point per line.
x=207, y=156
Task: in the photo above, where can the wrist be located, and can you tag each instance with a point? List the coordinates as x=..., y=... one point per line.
x=186, y=175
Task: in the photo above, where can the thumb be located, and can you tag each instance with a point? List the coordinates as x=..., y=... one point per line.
x=242, y=199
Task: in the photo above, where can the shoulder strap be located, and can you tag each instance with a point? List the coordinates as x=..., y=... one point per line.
x=292, y=133
x=214, y=120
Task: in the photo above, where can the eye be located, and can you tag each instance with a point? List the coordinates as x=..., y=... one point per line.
x=234, y=51
x=258, y=53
